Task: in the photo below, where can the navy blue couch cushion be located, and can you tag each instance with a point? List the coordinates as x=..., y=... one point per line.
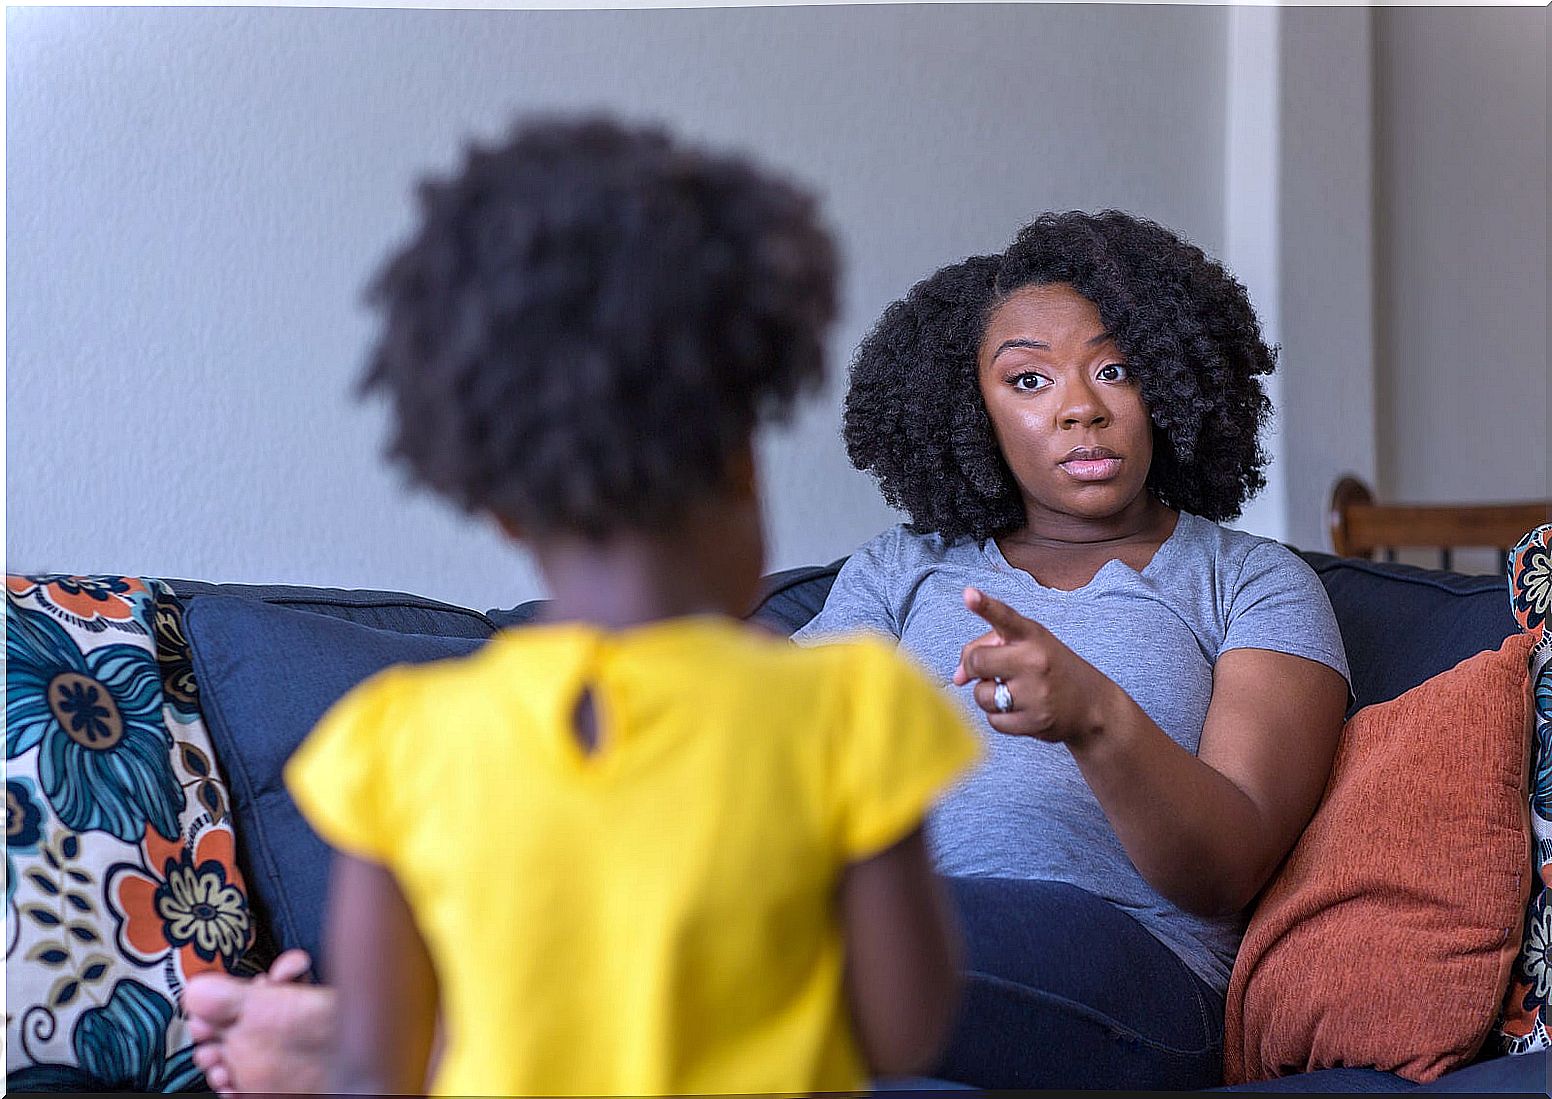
x=789, y=599
x=1495, y=1075
x=266, y=674
x=1403, y=625
x=1525, y=1074
x=1330, y=1081
x=383, y=610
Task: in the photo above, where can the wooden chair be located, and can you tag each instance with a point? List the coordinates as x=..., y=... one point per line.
x=1359, y=526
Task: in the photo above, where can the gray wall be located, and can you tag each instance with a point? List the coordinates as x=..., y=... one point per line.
x=1461, y=252
x=196, y=195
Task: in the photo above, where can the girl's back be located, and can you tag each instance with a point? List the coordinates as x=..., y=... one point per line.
x=656, y=913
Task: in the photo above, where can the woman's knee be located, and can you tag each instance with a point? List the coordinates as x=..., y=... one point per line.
x=1012, y=1036
x=1056, y=956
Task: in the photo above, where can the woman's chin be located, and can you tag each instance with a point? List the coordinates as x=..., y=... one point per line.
x=1094, y=500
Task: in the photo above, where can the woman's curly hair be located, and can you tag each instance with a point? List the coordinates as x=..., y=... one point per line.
x=915, y=419
x=592, y=319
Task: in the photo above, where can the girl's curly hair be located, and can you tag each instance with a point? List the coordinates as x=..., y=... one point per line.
x=591, y=320
x=914, y=417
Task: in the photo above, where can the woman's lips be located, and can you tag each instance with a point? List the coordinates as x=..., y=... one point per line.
x=1092, y=469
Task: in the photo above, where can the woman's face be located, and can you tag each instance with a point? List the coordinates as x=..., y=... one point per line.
x=1069, y=420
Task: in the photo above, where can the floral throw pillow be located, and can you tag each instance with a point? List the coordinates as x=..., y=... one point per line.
x=1524, y=1028
x=121, y=879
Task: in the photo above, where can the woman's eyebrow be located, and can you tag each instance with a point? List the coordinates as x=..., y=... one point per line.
x=1006, y=344
x=1038, y=345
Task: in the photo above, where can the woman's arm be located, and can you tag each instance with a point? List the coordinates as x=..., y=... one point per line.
x=1207, y=831
x=902, y=958
x=387, y=987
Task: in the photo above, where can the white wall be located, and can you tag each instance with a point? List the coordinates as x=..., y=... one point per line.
x=196, y=195
x=1253, y=159
x=1461, y=250
x=1325, y=241
x=1386, y=204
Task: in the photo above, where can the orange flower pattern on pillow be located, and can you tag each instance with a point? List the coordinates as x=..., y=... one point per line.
x=94, y=603
x=187, y=899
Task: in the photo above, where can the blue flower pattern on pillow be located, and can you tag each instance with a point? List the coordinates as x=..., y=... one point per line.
x=98, y=718
x=23, y=830
x=23, y=827
x=121, y=1046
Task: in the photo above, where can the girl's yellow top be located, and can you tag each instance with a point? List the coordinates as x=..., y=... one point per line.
x=658, y=916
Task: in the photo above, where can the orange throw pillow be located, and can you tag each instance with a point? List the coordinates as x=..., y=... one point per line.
x=1386, y=939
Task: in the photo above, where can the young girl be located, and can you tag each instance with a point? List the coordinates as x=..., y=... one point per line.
x=639, y=848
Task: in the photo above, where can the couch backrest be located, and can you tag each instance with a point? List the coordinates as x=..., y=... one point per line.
x=1400, y=624
x=383, y=610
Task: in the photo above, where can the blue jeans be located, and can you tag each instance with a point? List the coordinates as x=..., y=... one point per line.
x=1064, y=990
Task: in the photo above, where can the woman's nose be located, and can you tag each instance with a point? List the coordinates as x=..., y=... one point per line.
x=1084, y=409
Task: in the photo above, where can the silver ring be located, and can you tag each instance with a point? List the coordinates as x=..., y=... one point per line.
x=1002, y=698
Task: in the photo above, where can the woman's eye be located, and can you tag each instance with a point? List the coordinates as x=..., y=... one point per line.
x=1029, y=381
x=1113, y=372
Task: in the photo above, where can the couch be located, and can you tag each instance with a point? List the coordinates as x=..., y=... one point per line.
x=234, y=845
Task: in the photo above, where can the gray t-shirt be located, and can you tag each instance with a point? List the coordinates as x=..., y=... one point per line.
x=1026, y=811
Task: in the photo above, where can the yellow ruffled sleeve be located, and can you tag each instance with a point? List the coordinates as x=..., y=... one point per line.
x=905, y=745
x=341, y=776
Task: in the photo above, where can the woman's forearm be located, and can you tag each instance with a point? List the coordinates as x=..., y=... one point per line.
x=1192, y=833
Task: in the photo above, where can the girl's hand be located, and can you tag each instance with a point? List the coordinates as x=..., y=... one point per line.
x=1048, y=691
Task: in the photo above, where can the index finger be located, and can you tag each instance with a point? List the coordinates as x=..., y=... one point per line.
x=1009, y=623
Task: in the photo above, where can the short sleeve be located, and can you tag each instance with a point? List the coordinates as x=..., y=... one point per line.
x=339, y=777
x=905, y=744
x=1278, y=603
x=859, y=600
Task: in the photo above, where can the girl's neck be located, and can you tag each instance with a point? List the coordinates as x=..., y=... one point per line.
x=617, y=598
x=636, y=578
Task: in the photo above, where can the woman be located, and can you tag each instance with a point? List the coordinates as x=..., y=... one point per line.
x=1066, y=425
